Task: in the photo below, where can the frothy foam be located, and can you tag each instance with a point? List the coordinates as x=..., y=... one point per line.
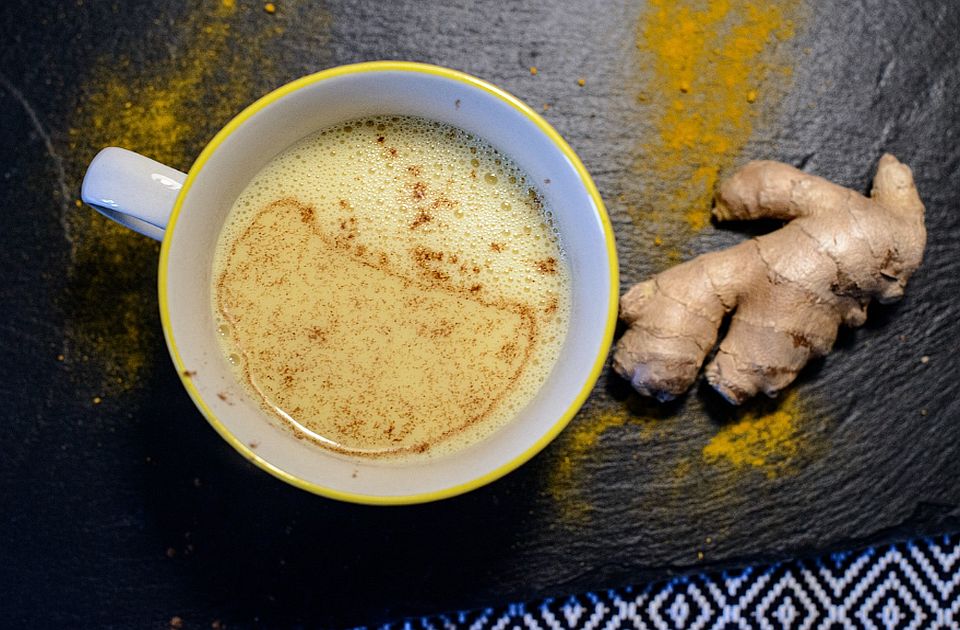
x=391, y=287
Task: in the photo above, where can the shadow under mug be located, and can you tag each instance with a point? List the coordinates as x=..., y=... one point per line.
x=187, y=212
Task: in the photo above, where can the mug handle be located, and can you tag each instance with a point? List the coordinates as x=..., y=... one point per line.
x=133, y=190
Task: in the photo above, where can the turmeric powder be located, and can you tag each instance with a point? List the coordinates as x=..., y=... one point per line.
x=763, y=439
x=579, y=441
x=708, y=65
x=111, y=323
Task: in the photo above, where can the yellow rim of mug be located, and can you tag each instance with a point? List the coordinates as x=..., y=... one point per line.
x=454, y=75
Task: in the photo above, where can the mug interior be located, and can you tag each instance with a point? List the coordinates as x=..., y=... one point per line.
x=297, y=110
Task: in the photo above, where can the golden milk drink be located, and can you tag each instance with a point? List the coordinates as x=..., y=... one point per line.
x=391, y=287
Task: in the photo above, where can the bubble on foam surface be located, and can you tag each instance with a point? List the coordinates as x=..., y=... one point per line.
x=405, y=185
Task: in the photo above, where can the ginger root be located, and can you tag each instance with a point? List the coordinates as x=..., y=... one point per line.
x=789, y=290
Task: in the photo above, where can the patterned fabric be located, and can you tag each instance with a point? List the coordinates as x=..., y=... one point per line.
x=908, y=585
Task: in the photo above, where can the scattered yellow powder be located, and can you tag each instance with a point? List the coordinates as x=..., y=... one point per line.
x=703, y=65
x=167, y=110
x=701, y=59
x=111, y=321
x=585, y=434
x=578, y=443
x=761, y=438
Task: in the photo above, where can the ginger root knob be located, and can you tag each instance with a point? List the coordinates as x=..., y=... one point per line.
x=788, y=291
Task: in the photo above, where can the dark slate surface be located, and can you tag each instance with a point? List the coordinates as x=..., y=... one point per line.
x=94, y=497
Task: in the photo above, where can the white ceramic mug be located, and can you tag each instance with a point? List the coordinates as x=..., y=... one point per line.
x=188, y=211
